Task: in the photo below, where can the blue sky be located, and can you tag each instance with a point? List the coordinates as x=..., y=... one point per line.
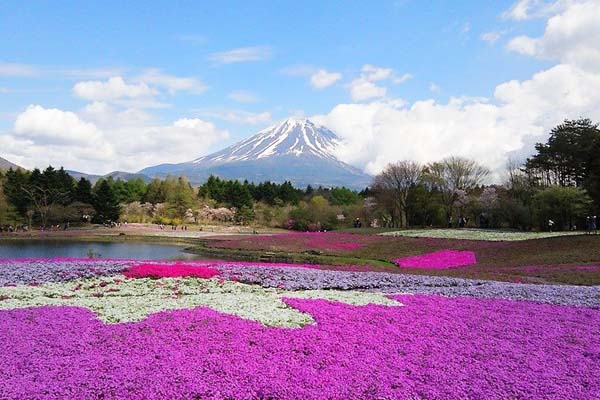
x=249, y=64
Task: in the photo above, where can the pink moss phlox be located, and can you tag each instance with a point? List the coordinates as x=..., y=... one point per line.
x=158, y=271
x=443, y=259
x=333, y=241
x=432, y=348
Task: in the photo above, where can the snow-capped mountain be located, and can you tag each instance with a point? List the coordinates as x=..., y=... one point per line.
x=5, y=164
x=297, y=137
x=296, y=150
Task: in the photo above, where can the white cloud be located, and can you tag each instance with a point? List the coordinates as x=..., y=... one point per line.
x=239, y=116
x=364, y=88
x=487, y=130
x=34, y=71
x=571, y=37
x=85, y=73
x=99, y=139
x=402, y=78
x=242, y=54
x=172, y=83
x=181, y=141
x=18, y=70
x=318, y=78
x=373, y=73
x=298, y=70
x=492, y=36
x=243, y=96
x=323, y=78
x=529, y=9
x=112, y=89
x=433, y=87
x=524, y=45
x=54, y=126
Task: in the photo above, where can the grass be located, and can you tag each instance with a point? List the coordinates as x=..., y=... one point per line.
x=564, y=260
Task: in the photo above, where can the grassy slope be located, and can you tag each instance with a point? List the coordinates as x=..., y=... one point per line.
x=557, y=260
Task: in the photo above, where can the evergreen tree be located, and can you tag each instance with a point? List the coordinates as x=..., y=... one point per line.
x=83, y=191
x=106, y=204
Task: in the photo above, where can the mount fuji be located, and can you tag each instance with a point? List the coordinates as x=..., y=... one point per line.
x=295, y=150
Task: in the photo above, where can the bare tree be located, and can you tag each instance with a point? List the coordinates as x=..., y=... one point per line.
x=453, y=174
x=43, y=199
x=392, y=186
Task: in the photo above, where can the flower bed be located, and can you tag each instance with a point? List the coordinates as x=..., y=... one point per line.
x=313, y=277
x=154, y=270
x=36, y=271
x=321, y=241
x=119, y=299
x=433, y=347
x=443, y=259
x=477, y=234
x=299, y=279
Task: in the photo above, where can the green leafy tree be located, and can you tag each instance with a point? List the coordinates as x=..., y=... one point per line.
x=154, y=193
x=570, y=157
x=341, y=196
x=566, y=206
x=180, y=198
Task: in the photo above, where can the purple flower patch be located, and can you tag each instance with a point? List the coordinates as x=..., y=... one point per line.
x=432, y=348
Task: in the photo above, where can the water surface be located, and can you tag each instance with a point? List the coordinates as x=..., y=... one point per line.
x=75, y=249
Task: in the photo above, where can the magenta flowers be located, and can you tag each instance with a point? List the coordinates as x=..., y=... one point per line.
x=432, y=348
x=438, y=260
x=169, y=271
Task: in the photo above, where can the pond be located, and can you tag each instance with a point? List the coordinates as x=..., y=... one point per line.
x=75, y=249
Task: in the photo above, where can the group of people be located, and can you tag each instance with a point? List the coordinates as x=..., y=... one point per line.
x=462, y=222
x=357, y=223
x=174, y=227
x=590, y=224
x=15, y=228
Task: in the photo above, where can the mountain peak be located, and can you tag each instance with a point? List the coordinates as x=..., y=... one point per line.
x=5, y=164
x=295, y=150
x=297, y=137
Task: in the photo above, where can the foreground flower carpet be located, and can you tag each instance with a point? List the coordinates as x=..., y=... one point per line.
x=86, y=329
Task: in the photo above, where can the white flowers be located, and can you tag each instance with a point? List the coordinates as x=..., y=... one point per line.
x=118, y=299
x=477, y=234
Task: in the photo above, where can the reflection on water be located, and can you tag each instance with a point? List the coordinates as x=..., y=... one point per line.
x=58, y=248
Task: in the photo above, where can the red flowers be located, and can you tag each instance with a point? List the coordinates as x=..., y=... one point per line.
x=169, y=271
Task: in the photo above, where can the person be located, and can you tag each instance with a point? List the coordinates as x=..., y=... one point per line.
x=593, y=225
x=588, y=225
x=461, y=222
x=450, y=221
x=550, y=224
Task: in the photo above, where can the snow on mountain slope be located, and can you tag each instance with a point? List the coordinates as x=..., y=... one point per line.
x=296, y=150
x=298, y=137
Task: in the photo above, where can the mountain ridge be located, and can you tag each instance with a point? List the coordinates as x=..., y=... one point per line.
x=5, y=165
x=296, y=150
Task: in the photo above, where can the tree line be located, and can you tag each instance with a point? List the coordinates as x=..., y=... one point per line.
x=52, y=196
x=560, y=182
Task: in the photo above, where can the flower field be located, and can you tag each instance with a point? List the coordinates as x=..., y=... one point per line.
x=562, y=259
x=478, y=234
x=438, y=260
x=197, y=330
